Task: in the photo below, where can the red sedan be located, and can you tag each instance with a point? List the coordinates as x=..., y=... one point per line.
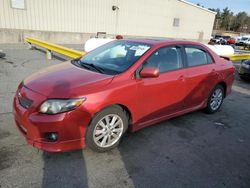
x=231, y=41
x=125, y=84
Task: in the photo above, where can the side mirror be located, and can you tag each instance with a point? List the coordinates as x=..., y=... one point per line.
x=149, y=72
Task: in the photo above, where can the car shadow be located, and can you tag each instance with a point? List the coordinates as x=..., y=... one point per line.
x=66, y=169
x=193, y=150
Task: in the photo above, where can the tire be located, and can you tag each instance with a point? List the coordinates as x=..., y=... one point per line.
x=110, y=123
x=2, y=54
x=215, y=100
x=242, y=77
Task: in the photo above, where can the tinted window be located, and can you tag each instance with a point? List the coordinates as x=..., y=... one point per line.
x=244, y=38
x=166, y=59
x=197, y=56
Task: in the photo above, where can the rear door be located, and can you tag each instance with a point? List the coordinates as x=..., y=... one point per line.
x=161, y=96
x=201, y=75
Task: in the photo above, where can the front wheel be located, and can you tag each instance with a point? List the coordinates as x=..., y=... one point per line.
x=106, y=129
x=215, y=100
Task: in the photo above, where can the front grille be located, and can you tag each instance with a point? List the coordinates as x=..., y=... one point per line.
x=24, y=102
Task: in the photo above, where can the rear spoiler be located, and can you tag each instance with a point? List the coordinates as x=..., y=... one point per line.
x=225, y=57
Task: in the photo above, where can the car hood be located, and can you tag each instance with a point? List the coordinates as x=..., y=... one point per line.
x=66, y=80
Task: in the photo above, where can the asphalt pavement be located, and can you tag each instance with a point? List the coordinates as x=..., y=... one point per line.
x=194, y=150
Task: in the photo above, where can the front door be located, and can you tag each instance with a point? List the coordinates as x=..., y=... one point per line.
x=164, y=95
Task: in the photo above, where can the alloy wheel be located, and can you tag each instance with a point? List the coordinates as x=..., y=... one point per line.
x=216, y=99
x=108, y=130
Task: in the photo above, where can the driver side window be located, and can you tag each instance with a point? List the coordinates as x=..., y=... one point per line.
x=166, y=59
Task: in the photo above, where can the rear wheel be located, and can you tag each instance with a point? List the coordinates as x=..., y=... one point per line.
x=215, y=100
x=242, y=77
x=106, y=129
x=2, y=54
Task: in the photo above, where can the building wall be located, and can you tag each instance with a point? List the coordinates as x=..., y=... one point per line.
x=155, y=18
x=134, y=18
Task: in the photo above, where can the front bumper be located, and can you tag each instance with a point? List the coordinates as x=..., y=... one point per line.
x=70, y=127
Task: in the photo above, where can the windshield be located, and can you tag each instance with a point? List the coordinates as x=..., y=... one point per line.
x=217, y=36
x=114, y=57
x=244, y=38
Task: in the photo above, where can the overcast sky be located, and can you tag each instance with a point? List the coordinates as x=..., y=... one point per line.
x=234, y=5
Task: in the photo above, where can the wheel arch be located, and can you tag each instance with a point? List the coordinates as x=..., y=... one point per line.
x=224, y=85
x=123, y=107
x=128, y=112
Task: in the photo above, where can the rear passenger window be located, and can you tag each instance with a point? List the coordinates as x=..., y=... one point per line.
x=197, y=56
x=166, y=59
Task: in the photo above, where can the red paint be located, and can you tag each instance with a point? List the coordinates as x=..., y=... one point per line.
x=231, y=41
x=149, y=100
x=149, y=72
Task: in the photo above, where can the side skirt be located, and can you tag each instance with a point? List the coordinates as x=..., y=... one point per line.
x=137, y=126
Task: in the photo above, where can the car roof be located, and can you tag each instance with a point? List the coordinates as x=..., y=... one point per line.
x=151, y=41
x=158, y=41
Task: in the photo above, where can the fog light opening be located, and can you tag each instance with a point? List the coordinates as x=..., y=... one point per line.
x=52, y=137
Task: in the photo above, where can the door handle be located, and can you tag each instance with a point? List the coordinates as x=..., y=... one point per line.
x=181, y=78
x=213, y=72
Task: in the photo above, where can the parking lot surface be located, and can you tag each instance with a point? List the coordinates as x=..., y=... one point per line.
x=194, y=150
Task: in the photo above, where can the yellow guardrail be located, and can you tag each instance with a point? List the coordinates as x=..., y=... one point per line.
x=238, y=57
x=50, y=47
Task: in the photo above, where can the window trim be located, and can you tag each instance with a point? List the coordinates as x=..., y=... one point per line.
x=174, y=45
x=200, y=48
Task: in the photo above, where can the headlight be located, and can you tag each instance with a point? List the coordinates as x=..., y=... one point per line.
x=55, y=106
x=247, y=66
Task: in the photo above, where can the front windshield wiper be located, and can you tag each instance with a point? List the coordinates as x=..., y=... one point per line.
x=89, y=66
x=98, y=69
